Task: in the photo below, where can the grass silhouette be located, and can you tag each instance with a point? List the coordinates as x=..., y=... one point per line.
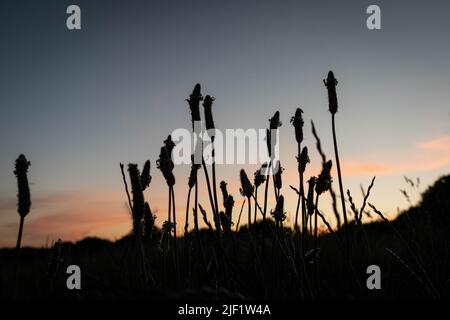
x=262, y=259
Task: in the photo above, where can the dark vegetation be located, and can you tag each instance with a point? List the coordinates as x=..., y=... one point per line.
x=247, y=252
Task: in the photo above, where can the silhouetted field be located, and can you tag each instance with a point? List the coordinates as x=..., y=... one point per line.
x=420, y=235
x=259, y=259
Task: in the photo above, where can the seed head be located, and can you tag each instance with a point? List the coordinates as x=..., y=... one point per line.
x=207, y=105
x=194, y=104
x=331, y=84
x=169, y=144
x=297, y=122
x=223, y=188
x=324, y=180
x=166, y=230
x=278, y=214
x=303, y=160
x=310, y=197
x=21, y=170
x=275, y=122
x=260, y=177
x=165, y=163
x=277, y=176
x=246, y=187
x=229, y=203
x=138, y=198
x=146, y=178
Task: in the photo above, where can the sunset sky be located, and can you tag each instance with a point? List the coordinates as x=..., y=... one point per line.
x=77, y=103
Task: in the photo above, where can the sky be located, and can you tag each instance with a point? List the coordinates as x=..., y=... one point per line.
x=78, y=103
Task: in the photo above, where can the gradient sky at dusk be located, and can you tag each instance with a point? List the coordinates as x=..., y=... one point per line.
x=77, y=103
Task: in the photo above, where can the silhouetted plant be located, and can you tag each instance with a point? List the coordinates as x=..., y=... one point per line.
x=210, y=127
x=166, y=165
x=278, y=182
x=166, y=230
x=194, y=104
x=310, y=199
x=138, y=212
x=23, y=208
x=191, y=184
x=331, y=84
x=23, y=195
x=278, y=213
x=250, y=271
x=228, y=204
x=323, y=184
x=302, y=162
x=297, y=122
x=247, y=191
x=205, y=217
x=146, y=178
x=260, y=178
x=225, y=221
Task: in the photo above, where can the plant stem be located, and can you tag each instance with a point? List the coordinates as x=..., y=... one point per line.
x=316, y=260
x=256, y=199
x=186, y=241
x=299, y=187
x=213, y=153
x=197, y=232
x=126, y=187
x=341, y=189
x=249, y=213
x=211, y=200
x=186, y=224
x=16, y=269
x=177, y=271
x=266, y=191
x=239, y=218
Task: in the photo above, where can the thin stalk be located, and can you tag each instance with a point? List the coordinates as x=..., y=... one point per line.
x=19, y=236
x=256, y=199
x=341, y=189
x=170, y=232
x=16, y=269
x=239, y=218
x=197, y=232
x=304, y=218
x=275, y=189
x=186, y=224
x=266, y=191
x=175, y=234
x=300, y=185
x=213, y=153
x=186, y=241
x=311, y=233
x=249, y=213
x=211, y=199
x=316, y=260
x=126, y=187
x=220, y=249
x=285, y=253
x=170, y=208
